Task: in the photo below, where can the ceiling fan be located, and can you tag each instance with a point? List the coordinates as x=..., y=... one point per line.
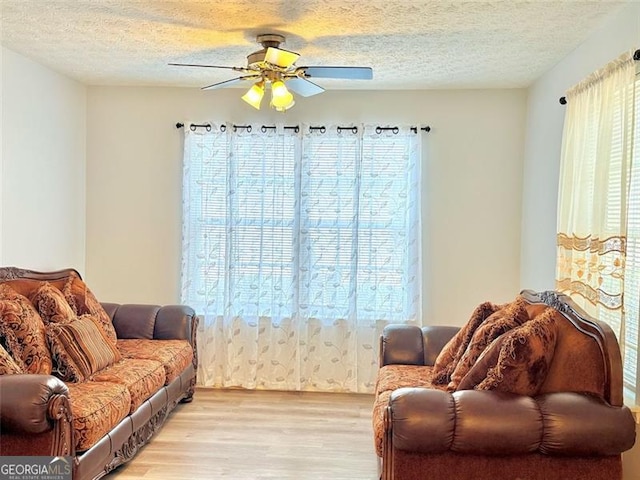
x=276, y=67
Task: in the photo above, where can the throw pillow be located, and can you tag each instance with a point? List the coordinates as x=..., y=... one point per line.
x=487, y=359
x=7, y=293
x=518, y=361
x=23, y=332
x=9, y=342
x=51, y=304
x=82, y=302
x=80, y=349
x=498, y=323
x=449, y=356
x=8, y=366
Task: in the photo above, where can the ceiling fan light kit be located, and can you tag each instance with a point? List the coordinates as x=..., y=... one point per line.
x=254, y=95
x=276, y=67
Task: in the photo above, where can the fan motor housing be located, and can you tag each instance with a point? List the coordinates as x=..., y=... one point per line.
x=270, y=40
x=256, y=59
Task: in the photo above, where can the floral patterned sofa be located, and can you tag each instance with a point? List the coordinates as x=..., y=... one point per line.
x=83, y=379
x=527, y=390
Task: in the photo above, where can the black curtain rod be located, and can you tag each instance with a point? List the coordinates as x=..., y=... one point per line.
x=264, y=128
x=636, y=57
x=193, y=126
x=296, y=128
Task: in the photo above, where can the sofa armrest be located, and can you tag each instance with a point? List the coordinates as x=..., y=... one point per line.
x=26, y=402
x=401, y=344
x=411, y=345
x=171, y=322
x=175, y=322
x=497, y=423
x=35, y=416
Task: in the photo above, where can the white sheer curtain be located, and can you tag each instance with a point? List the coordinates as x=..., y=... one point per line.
x=598, y=241
x=298, y=248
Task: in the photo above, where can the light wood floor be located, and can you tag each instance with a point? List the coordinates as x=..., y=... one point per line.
x=247, y=435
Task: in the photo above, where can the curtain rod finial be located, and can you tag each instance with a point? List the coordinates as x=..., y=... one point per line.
x=563, y=100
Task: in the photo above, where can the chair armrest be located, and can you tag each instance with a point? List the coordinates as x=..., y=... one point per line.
x=498, y=423
x=29, y=403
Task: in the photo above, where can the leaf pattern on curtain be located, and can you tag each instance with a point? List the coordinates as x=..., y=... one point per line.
x=298, y=248
x=588, y=266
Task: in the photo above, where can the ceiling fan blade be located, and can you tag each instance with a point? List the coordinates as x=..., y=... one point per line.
x=303, y=87
x=228, y=83
x=281, y=58
x=349, y=73
x=237, y=69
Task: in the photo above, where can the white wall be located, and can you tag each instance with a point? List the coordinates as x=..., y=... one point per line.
x=43, y=167
x=472, y=186
x=1, y=143
x=545, y=117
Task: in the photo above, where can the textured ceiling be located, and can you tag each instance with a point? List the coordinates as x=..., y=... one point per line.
x=410, y=44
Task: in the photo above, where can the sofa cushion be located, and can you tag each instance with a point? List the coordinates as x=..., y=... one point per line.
x=51, y=304
x=24, y=328
x=448, y=358
x=498, y=323
x=97, y=408
x=518, y=361
x=8, y=366
x=142, y=378
x=174, y=355
x=80, y=348
x=82, y=301
x=391, y=377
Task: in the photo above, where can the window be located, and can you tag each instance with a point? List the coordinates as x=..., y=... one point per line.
x=313, y=220
x=599, y=205
x=298, y=248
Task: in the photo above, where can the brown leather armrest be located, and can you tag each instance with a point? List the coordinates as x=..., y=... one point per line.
x=25, y=402
x=402, y=345
x=584, y=425
x=497, y=423
x=175, y=322
x=410, y=345
x=171, y=322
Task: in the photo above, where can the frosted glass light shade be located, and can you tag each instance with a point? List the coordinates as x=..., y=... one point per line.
x=278, y=89
x=281, y=98
x=285, y=102
x=254, y=96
